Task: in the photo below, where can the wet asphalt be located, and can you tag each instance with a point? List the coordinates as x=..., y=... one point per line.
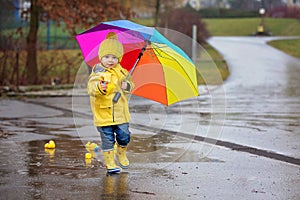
x=238, y=141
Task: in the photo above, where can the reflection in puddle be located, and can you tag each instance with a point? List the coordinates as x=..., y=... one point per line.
x=115, y=186
x=50, y=152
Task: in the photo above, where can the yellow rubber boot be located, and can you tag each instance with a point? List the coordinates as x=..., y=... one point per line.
x=121, y=154
x=116, y=148
x=109, y=158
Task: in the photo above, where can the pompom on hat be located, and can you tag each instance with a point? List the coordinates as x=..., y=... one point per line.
x=111, y=45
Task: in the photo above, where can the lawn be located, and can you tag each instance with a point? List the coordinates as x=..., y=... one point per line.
x=211, y=67
x=291, y=47
x=247, y=26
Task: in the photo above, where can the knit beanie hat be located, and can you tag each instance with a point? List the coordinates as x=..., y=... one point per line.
x=111, y=45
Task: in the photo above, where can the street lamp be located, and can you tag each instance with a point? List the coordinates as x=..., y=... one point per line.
x=262, y=12
x=261, y=27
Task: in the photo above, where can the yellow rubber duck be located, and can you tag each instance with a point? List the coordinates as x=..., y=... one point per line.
x=91, y=147
x=50, y=145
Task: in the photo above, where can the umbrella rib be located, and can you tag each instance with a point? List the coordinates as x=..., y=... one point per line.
x=157, y=47
x=174, y=59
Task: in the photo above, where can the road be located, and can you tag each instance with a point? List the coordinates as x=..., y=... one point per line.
x=238, y=141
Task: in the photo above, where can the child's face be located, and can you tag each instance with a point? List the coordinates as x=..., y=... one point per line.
x=109, y=61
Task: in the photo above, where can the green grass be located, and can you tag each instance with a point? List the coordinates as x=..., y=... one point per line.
x=291, y=47
x=212, y=69
x=247, y=26
x=230, y=27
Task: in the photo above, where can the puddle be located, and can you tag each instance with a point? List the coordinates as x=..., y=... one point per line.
x=48, y=173
x=68, y=158
x=29, y=171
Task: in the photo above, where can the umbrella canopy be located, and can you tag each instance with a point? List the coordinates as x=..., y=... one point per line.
x=160, y=70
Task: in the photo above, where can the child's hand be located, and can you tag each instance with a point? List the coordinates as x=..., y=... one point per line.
x=124, y=85
x=103, y=85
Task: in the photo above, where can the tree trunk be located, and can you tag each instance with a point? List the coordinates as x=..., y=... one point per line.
x=3, y=68
x=31, y=63
x=157, y=6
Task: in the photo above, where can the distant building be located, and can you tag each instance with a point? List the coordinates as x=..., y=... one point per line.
x=201, y=4
x=293, y=2
x=196, y=4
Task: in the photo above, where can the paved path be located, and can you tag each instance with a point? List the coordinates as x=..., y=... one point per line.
x=262, y=94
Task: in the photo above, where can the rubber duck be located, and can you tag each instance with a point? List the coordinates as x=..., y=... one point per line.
x=50, y=145
x=91, y=147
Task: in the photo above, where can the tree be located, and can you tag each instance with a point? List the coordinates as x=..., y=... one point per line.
x=156, y=16
x=164, y=8
x=31, y=63
x=74, y=14
x=183, y=19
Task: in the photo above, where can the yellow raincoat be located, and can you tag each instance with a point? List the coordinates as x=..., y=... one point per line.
x=106, y=112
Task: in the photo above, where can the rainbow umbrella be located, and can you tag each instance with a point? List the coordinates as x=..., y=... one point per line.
x=160, y=70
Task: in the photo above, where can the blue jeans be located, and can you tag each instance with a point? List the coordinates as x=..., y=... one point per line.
x=110, y=134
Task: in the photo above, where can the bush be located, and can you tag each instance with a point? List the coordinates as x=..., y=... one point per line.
x=285, y=12
x=226, y=13
x=182, y=20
